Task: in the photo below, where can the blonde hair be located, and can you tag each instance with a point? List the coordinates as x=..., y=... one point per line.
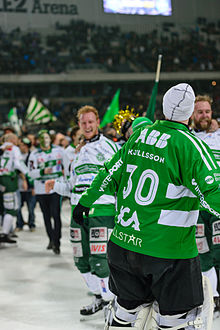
x=87, y=109
x=10, y=137
x=204, y=98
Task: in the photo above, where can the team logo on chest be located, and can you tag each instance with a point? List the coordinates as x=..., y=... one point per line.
x=100, y=157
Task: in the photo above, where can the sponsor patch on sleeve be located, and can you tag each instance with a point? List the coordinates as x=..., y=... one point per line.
x=216, y=240
x=216, y=227
x=75, y=234
x=77, y=250
x=98, y=234
x=98, y=248
x=202, y=245
x=200, y=230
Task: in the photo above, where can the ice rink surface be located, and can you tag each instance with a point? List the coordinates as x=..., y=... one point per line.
x=40, y=290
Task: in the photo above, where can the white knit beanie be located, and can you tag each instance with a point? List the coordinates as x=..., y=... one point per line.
x=178, y=102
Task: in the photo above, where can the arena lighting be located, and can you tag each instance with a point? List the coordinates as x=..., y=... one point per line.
x=214, y=83
x=138, y=7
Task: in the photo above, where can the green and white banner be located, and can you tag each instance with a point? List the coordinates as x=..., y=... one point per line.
x=14, y=121
x=38, y=113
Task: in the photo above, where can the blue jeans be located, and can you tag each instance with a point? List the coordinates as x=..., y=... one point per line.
x=26, y=196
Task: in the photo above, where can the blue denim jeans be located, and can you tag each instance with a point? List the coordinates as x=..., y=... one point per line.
x=26, y=196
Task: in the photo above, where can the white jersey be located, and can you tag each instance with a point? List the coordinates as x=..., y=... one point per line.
x=213, y=141
x=39, y=160
x=11, y=160
x=84, y=169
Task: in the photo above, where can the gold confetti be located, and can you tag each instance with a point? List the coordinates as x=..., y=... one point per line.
x=122, y=116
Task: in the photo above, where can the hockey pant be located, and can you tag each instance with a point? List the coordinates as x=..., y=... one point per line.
x=89, y=245
x=148, y=317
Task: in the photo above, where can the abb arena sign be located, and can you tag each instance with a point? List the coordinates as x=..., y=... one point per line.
x=37, y=7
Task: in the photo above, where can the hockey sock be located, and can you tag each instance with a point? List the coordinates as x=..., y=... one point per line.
x=107, y=295
x=7, y=223
x=212, y=276
x=92, y=282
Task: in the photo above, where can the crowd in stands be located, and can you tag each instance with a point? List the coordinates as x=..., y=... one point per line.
x=83, y=45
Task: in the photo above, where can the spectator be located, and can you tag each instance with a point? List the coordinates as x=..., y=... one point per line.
x=27, y=194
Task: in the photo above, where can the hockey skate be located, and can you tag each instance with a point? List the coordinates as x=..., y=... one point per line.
x=97, y=305
x=6, y=239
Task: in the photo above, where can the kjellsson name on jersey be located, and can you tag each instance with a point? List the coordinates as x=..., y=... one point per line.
x=144, y=154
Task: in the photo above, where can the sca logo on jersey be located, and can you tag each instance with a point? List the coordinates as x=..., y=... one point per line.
x=132, y=220
x=209, y=179
x=98, y=248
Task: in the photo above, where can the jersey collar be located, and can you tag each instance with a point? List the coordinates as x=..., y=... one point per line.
x=93, y=139
x=173, y=124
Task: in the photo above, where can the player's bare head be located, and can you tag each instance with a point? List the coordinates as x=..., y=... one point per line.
x=88, y=121
x=87, y=109
x=202, y=115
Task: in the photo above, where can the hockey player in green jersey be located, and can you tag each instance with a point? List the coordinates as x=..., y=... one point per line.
x=161, y=176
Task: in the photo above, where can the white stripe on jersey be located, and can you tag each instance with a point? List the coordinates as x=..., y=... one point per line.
x=198, y=148
x=178, y=218
x=176, y=192
x=206, y=151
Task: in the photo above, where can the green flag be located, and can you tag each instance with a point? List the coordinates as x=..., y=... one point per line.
x=14, y=121
x=152, y=103
x=112, y=110
x=38, y=113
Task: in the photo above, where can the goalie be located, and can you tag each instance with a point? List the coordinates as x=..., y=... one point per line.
x=161, y=176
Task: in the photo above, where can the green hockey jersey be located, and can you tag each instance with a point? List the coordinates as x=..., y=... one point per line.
x=161, y=176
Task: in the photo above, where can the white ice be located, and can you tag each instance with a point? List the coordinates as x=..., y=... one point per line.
x=40, y=290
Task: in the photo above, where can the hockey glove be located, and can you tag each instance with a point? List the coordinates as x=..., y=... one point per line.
x=78, y=213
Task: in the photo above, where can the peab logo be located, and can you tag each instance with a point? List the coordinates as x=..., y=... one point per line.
x=209, y=179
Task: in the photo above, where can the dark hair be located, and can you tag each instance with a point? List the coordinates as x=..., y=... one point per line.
x=74, y=130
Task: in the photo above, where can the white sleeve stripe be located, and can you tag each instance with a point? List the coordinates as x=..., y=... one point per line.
x=206, y=151
x=198, y=148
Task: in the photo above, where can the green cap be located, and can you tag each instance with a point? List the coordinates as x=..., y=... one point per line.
x=140, y=122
